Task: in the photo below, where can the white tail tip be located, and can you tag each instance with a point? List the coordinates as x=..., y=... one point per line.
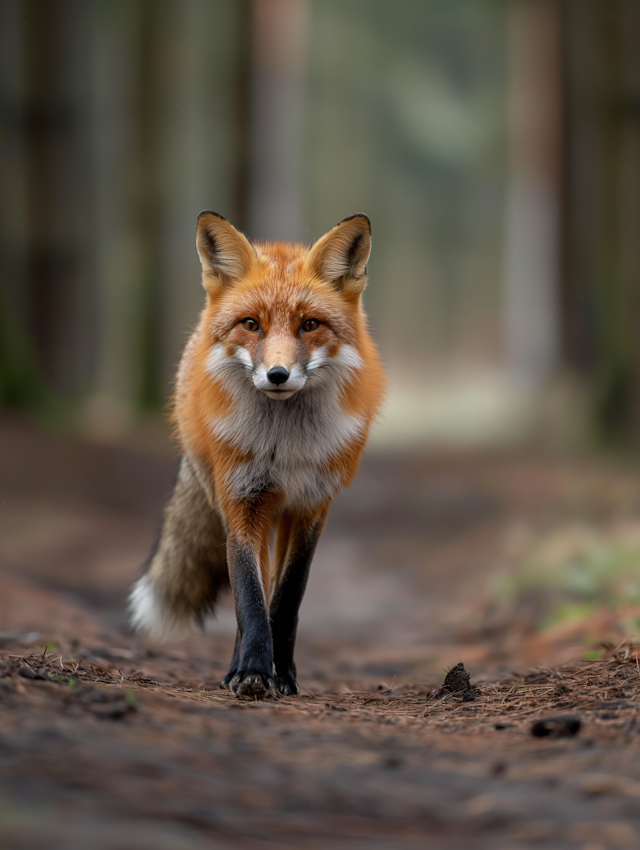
x=150, y=614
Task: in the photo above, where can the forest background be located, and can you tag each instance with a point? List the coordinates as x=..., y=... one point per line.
x=495, y=146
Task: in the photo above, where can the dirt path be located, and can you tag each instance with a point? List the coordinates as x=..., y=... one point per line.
x=107, y=741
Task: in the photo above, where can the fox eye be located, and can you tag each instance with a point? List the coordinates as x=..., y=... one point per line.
x=250, y=324
x=310, y=325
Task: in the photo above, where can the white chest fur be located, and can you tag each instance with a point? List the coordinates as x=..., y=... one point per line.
x=291, y=443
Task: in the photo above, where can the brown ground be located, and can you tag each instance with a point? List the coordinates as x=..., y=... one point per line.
x=108, y=741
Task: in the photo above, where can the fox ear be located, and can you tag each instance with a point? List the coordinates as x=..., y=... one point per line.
x=225, y=254
x=341, y=255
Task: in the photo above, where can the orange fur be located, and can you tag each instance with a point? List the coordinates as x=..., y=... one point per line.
x=282, y=283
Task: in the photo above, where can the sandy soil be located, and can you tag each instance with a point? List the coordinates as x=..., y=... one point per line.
x=110, y=741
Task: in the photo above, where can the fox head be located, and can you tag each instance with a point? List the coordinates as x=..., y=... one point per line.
x=283, y=317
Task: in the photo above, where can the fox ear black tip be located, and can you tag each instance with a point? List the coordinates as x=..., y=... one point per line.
x=358, y=215
x=210, y=212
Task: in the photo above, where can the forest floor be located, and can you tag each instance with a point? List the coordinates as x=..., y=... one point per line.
x=525, y=568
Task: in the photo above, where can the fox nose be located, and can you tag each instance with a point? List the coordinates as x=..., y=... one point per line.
x=277, y=375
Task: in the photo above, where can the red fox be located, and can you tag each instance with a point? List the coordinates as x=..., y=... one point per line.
x=275, y=395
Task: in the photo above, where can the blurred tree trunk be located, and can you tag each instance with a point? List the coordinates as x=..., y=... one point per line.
x=20, y=380
x=629, y=181
x=119, y=180
x=278, y=97
x=44, y=223
x=153, y=45
x=56, y=169
x=532, y=242
x=242, y=113
x=601, y=209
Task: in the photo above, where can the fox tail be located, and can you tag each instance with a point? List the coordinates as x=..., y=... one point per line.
x=188, y=568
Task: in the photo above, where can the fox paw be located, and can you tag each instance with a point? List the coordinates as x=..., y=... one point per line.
x=287, y=685
x=252, y=684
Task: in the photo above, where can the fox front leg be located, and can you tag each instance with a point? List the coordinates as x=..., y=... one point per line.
x=254, y=676
x=249, y=522
x=296, y=544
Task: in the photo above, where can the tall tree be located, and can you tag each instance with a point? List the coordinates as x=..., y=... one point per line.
x=601, y=218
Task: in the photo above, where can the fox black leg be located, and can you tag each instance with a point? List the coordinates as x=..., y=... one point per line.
x=286, y=599
x=253, y=676
x=234, y=662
